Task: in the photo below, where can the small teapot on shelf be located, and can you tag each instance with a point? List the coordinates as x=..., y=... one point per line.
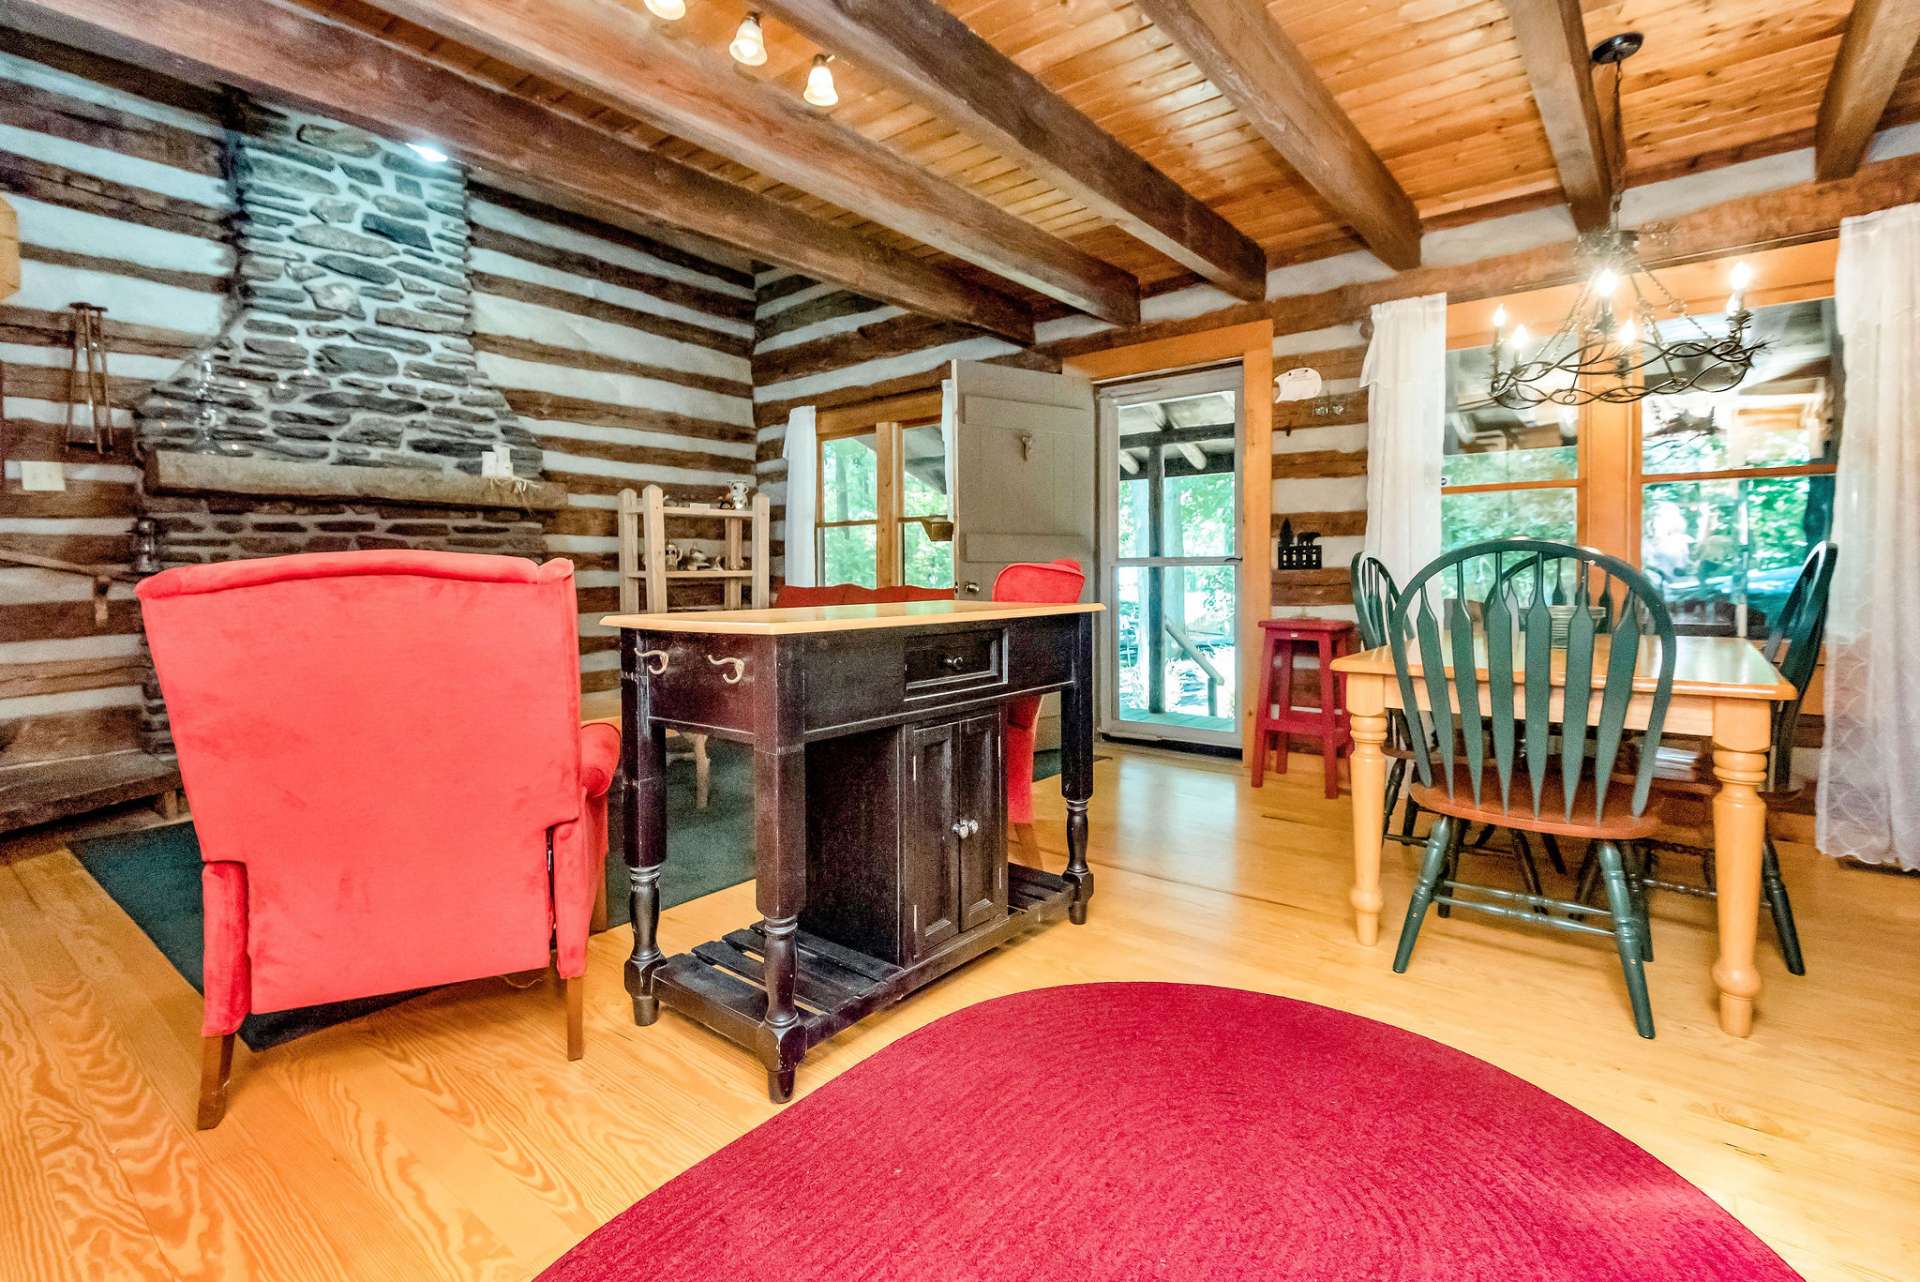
x=698, y=560
x=672, y=556
x=737, y=495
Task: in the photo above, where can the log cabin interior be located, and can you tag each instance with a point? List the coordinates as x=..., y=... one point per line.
x=695, y=534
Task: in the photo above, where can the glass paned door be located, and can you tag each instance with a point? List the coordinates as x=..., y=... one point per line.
x=1170, y=474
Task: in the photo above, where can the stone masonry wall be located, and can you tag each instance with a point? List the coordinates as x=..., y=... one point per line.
x=352, y=340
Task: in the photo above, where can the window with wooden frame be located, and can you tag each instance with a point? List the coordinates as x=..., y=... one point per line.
x=884, y=514
x=1717, y=497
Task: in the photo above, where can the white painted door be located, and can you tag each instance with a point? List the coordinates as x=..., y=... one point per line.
x=1023, y=485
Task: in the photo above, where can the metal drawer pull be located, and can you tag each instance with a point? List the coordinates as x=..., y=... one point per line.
x=656, y=661
x=964, y=828
x=737, y=668
x=953, y=662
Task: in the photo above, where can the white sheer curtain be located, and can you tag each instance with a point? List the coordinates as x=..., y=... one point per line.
x=1406, y=370
x=801, y=473
x=1869, y=798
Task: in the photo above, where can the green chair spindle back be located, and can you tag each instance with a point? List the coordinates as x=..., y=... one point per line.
x=1374, y=595
x=1793, y=646
x=1509, y=584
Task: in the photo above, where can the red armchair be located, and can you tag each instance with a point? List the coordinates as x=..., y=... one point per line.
x=1059, y=583
x=388, y=775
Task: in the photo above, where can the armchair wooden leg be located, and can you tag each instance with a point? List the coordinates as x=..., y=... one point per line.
x=1028, y=843
x=216, y=1069
x=598, y=923
x=575, y=989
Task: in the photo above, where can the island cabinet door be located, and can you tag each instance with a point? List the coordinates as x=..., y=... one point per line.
x=980, y=808
x=930, y=842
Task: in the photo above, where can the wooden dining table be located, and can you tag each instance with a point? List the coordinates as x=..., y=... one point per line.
x=1723, y=690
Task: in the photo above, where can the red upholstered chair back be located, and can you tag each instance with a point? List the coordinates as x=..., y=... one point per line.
x=792, y=596
x=1053, y=583
x=383, y=739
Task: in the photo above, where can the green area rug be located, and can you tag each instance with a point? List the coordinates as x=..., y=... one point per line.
x=154, y=875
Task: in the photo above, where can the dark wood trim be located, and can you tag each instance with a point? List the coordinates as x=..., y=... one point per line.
x=1319, y=464
x=774, y=413
x=199, y=282
x=1874, y=53
x=1328, y=525
x=618, y=55
x=565, y=300
x=1242, y=50
x=925, y=52
x=71, y=119
x=639, y=456
x=1554, y=50
x=545, y=406
x=725, y=306
x=841, y=302
x=479, y=189
x=282, y=53
x=33, y=327
x=881, y=340
x=71, y=189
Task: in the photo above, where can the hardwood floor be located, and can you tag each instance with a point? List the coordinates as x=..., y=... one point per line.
x=450, y=1138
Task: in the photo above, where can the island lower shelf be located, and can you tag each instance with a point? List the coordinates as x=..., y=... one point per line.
x=719, y=984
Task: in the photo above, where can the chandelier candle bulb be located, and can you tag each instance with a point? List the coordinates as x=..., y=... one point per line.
x=820, y=90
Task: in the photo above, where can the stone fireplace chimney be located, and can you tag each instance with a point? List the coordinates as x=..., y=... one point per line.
x=342, y=407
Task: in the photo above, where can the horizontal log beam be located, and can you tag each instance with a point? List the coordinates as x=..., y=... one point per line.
x=616, y=54
x=925, y=52
x=284, y=53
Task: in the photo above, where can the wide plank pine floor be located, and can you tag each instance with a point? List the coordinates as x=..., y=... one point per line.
x=449, y=1137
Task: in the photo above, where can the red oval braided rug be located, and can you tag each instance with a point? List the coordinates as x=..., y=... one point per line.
x=1121, y=1131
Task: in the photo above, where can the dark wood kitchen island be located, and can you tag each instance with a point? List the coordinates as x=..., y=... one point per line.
x=878, y=737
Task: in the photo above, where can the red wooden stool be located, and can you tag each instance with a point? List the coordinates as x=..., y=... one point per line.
x=1329, y=638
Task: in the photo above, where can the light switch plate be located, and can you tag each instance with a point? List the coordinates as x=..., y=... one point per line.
x=497, y=462
x=37, y=474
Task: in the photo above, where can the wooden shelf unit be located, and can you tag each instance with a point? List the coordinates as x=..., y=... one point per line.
x=645, y=578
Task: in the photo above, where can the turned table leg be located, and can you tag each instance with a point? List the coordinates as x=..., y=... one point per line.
x=1076, y=765
x=643, y=813
x=780, y=837
x=1368, y=723
x=1740, y=734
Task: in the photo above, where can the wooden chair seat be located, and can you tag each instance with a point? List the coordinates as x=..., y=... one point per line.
x=1619, y=823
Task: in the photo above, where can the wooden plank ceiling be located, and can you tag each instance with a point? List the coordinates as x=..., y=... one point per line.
x=1437, y=88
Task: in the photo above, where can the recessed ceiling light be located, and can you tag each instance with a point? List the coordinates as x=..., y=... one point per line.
x=431, y=154
x=820, y=91
x=749, y=47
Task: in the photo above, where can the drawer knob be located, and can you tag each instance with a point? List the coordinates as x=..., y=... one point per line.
x=735, y=669
x=964, y=828
x=656, y=661
x=953, y=662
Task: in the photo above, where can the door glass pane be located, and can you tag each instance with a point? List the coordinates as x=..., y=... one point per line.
x=1725, y=553
x=1176, y=645
x=847, y=555
x=1786, y=412
x=1177, y=476
x=1488, y=444
x=849, y=480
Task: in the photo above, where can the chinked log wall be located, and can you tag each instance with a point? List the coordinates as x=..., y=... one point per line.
x=625, y=356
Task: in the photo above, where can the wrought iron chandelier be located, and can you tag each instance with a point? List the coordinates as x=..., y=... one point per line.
x=1612, y=346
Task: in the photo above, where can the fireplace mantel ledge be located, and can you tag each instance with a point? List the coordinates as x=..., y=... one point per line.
x=181, y=472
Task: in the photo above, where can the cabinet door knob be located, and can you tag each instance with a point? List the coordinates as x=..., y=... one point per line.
x=735, y=669
x=953, y=662
x=960, y=829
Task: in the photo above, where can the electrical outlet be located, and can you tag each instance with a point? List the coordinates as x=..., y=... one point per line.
x=36, y=474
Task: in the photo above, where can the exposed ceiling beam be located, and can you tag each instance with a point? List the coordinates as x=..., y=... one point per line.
x=1880, y=39
x=925, y=52
x=1240, y=48
x=1554, y=50
x=346, y=73
x=620, y=56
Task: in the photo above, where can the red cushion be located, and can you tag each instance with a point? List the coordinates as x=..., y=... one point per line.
x=383, y=742
x=1052, y=583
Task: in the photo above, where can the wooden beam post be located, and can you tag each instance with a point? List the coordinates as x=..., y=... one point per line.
x=925, y=52
x=1239, y=47
x=348, y=74
x=1554, y=50
x=616, y=54
x=1880, y=39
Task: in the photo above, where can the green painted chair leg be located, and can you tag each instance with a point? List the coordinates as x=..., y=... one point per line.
x=1439, y=842
x=1407, y=820
x=1589, y=879
x=1636, y=864
x=1554, y=856
x=1782, y=908
x=1626, y=933
x=1457, y=835
x=1529, y=871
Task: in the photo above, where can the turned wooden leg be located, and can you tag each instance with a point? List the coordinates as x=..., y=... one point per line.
x=643, y=811
x=702, y=772
x=1076, y=766
x=216, y=1070
x=780, y=891
x=1739, y=835
x=1369, y=768
x=575, y=990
